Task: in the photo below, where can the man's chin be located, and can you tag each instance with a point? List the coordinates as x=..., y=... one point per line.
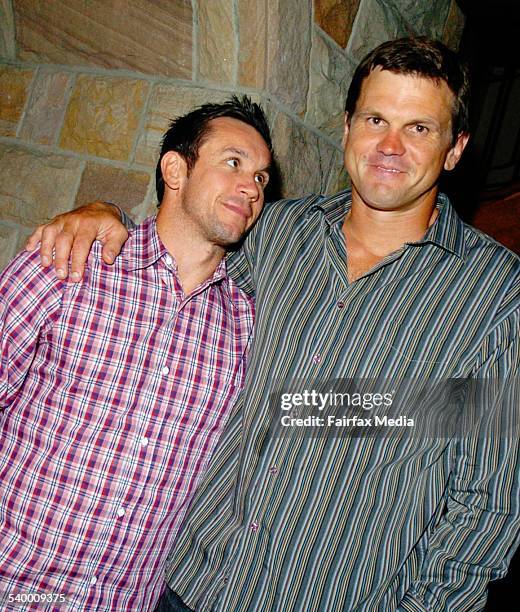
x=382, y=200
x=228, y=237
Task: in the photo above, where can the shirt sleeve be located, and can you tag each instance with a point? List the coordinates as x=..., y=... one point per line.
x=30, y=296
x=126, y=220
x=241, y=262
x=479, y=532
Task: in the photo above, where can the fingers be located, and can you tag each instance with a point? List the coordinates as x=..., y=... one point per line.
x=113, y=242
x=48, y=234
x=33, y=240
x=80, y=252
x=62, y=249
x=72, y=245
x=70, y=236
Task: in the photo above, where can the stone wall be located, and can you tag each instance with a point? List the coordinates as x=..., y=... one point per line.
x=87, y=88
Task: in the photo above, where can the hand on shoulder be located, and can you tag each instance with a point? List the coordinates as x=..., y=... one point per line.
x=70, y=236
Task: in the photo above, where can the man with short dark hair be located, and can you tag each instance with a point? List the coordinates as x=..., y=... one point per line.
x=113, y=392
x=383, y=281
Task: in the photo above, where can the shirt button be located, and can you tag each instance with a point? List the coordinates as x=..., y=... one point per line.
x=316, y=358
x=120, y=512
x=93, y=581
x=168, y=260
x=273, y=470
x=144, y=441
x=254, y=526
x=341, y=305
x=165, y=370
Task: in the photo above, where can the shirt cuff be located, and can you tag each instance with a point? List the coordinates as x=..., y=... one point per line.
x=125, y=219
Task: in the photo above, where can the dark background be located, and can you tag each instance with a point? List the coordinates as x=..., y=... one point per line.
x=486, y=187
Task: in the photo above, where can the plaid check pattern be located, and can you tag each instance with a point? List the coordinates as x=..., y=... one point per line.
x=113, y=393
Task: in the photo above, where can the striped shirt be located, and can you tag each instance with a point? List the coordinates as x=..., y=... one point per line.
x=292, y=523
x=113, y=393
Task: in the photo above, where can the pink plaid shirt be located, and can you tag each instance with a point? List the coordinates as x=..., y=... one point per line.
x=113, y=393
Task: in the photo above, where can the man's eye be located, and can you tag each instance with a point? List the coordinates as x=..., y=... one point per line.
x=233, y=162
x=261, y=179
x=375, y=120
x=420, y=129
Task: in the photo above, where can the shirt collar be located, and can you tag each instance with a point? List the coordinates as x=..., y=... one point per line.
x=144, y=248
x=335, y=208
x=220, y=274
x=448, y=229
x=446, y=232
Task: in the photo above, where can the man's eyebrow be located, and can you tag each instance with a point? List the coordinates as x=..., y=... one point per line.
x=424, y=119
x=367, y=112
x=236, y=151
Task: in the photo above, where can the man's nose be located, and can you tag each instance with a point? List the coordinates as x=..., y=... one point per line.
x=249, y=186
x=391, y=143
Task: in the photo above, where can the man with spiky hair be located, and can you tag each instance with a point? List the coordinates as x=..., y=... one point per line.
x=113, y=392
x=382, y=281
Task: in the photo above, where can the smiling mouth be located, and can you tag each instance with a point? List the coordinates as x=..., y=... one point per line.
x=243, y=210
x=387, y=169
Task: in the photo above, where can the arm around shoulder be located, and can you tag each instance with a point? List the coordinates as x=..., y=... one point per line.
x=70, y=236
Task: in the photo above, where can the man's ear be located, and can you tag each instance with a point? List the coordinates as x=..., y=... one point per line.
x=174, y=169
x=346, y=129
x=455, y=153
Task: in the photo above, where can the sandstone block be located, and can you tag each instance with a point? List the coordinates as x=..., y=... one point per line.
x=426, y=19
x=7, y=32
x=330, y=74
x=338, y=178
x=126, y=188
x=375, y=23
x=36, y=186
x=454, y=27
x=22, y=233
x=103, y=115
x=305, y=159
x=166, y=103
x=378, y=21
x=8, y=243
x=150, y=37
x=288, y=51
x=149, y=207
x=46, y=107
x=14, y=88
x=336, y=18
x=252, y=42
x=216, y=41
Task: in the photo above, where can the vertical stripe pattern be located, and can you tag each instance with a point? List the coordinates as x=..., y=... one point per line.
x=319, y=524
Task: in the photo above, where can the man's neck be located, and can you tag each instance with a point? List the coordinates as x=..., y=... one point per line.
x=196, y=260
x=372, y=234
